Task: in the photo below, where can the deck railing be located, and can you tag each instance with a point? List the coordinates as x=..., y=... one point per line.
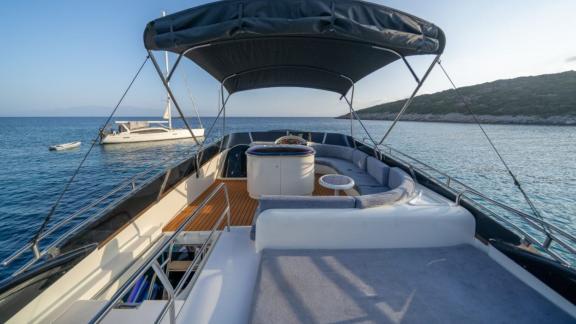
x=126, y=187
x=159, y=249
x=551, y=238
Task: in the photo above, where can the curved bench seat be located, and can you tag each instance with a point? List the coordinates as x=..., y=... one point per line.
x=370, y=175
x=361, y=178
x=377, y=183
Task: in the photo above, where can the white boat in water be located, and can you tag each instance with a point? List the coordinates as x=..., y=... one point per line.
x=65, y=146
x=148, y=131
x=250, y=229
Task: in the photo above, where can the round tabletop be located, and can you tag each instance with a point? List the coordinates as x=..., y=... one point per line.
x=336, y=182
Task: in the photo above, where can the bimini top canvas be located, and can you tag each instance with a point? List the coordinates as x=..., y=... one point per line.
x=322, y=44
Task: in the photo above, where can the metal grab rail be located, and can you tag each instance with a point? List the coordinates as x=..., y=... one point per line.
x=152, y=262
x=550, y=237
x=450, y=180
x=550, y=231
x=34, y=246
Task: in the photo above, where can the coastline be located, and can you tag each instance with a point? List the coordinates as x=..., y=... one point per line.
x=557, y=120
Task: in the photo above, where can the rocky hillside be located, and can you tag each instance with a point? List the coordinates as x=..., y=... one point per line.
x=545, y=99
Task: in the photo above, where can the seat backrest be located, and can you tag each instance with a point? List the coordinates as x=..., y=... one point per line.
x=333, y=151
x=378, y=170
x=396, y=177
x=359, y=159
x=303, y=202
x=401, y=186
x=379, y=199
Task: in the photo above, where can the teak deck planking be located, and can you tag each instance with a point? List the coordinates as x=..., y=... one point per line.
x=242, y=207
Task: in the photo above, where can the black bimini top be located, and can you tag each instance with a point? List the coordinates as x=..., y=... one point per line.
x=322, y=44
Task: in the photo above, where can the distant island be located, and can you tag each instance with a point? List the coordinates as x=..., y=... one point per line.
x=548, y=99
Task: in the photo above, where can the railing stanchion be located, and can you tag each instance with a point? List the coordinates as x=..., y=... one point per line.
x=36, y=251
x=547, y=242
x=169, y=290
x=228, y=208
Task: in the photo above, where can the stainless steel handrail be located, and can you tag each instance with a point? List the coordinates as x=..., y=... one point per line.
x=450, y=179
x=550, y=236
x=152, y=262
x=34, y=246
x=550, y=231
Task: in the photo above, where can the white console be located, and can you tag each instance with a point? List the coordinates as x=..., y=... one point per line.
x=280, y=170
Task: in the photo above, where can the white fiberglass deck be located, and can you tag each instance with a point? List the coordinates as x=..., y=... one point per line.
x=459, y=284
x=431, y=285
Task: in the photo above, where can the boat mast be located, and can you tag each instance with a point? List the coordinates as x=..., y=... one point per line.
x=168, y=112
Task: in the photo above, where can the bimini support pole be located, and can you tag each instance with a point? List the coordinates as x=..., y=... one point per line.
x=220, y=111
x=223, y=109
x=409, y=101
x=167, y=86
x=354, y=115
x=350, y=105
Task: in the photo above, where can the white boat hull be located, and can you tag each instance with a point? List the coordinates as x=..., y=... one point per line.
x=66, y=146
x=135, y=137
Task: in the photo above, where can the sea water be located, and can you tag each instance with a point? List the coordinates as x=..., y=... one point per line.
x=32, y=177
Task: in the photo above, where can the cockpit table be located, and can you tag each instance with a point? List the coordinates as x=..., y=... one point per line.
x=336, y=182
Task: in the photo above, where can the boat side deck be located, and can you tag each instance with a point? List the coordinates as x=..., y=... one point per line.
x=242, y=206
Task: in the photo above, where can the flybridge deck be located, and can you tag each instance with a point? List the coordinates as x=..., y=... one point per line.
x=193, y=211
x=459, y=284
x=189, y=245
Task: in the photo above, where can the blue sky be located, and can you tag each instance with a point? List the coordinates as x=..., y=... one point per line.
x=76, y=57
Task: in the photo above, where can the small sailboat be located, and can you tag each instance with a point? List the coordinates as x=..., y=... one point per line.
x=151, y=130
x=65, y=146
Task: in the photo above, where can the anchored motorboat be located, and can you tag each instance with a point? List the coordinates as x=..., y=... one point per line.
x=245, y=231
x=65, y=146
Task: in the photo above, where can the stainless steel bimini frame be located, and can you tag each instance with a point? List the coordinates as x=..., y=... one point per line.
x=165, y=81
x=353, y=115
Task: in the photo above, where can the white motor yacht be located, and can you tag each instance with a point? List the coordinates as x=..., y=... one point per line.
x=244, y=231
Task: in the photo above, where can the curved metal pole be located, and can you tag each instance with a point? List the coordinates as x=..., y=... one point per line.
x=376, y=149
x=406, y=105
x=206, y=135
x=355, y=115
x=350, y=104
x=223, y=109
x=403, y=60
x=264, y=68
x=180, y=58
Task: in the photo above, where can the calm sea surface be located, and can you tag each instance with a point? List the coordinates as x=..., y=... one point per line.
x=31, y=177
